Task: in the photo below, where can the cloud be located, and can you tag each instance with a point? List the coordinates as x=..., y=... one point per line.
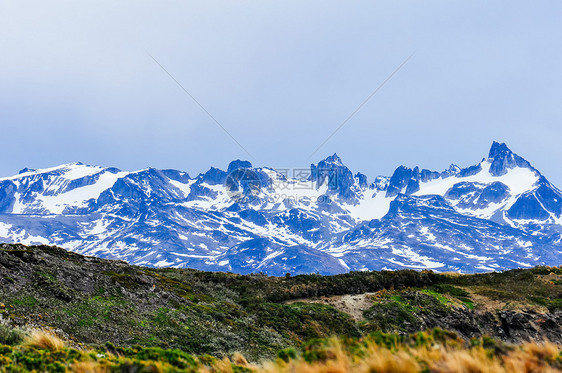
x=76, y=82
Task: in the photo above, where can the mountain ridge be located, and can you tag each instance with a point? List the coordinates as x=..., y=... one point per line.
x=498, y=214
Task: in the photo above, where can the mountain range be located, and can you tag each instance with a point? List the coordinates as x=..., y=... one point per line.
x=498, y=214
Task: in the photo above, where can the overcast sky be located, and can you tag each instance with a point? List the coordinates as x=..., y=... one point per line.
x=77, y=83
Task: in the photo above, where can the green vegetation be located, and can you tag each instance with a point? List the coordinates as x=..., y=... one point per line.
x=432, y=351
x=405, y=310
x=460, y=294
x=93, y=301
x=10, y=335
x=514, y=285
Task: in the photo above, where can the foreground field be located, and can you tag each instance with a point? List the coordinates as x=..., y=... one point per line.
x=437, y=351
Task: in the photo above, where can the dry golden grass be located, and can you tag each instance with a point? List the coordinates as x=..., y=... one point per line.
x=88, y=367
x=447, y=356
x=532, y=357
x=461, y=361
x=527, y=358
x=239, y=359
x=44, y=340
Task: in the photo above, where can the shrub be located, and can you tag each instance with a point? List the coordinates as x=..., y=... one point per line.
x=10, y=335
x=287, y=354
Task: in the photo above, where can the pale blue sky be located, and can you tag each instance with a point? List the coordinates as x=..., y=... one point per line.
x=77, y=84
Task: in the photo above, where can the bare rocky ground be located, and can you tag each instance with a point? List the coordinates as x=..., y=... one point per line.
x=352, y=304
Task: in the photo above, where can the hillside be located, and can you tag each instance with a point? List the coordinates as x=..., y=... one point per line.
x=92, y=301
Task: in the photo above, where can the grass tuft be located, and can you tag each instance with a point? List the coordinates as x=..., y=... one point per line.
x=44, y=340
x=89, y=367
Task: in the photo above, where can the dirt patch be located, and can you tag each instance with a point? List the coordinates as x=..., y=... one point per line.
x=353, y=305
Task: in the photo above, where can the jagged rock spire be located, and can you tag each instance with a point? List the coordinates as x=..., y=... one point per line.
x=503, y=158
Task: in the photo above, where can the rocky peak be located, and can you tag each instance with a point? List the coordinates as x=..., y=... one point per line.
x=362, y=180
x=499, y=150
x=502, y=159
x=404, y=177
x=237, y=164
x=333, y=159
x=335, y=174
x=453, y=169
x=213, y=176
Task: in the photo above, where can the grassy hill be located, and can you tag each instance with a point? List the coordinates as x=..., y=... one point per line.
x=90, y=301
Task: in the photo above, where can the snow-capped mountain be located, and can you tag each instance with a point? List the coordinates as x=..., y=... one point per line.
x=500, y=213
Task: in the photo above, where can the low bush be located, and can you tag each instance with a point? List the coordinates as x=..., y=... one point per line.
x=10, y=335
